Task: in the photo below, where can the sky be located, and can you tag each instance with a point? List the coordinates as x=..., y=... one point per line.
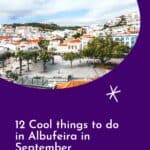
x=64, y=12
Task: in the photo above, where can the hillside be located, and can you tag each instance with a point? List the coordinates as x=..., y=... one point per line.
x=45, y=26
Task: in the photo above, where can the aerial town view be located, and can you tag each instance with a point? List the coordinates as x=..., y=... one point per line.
x=57, y=49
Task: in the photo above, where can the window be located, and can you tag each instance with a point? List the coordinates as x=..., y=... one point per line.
x=133, y=38
x=133, y=42
x=127, y=43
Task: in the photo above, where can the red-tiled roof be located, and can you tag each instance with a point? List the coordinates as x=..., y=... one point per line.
x=5, y=38
x=22, y=46
x=75, y=41
x=87, y=36
x=63, y=44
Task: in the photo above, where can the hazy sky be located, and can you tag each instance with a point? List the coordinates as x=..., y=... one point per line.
x=64, y=12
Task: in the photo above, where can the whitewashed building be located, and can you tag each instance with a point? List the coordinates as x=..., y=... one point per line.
x=85, y=40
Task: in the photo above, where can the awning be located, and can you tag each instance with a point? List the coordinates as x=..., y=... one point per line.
x=71, y=84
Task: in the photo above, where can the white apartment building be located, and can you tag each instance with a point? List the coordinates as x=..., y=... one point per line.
x=62, y=48
x=126, y=39
x=58, y=33
x=74, y=46
x=133, y=20
x=53, y=44
x=11, y=47
x=3, y=49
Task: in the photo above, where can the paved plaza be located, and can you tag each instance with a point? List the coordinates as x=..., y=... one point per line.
x=82, y=69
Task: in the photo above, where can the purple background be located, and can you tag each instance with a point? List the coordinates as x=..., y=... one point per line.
x=87, y=103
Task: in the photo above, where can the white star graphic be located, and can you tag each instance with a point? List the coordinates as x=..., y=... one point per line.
x=113, y=93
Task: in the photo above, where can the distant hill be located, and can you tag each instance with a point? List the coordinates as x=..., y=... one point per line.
x=46, y=26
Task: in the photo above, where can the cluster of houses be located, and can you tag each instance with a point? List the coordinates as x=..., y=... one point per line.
x=63, y=41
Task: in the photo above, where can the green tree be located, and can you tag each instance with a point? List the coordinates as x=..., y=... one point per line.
x=106, y=26
x=11, y=75
x=43, y=44
x=123, y=20
x=8, y=54
x=35, y=55
x=90, y=50
x=77, y=35
x=28, y=56
x=52, y=53
x=120, y=51
x=3, y=59
x=104, y=49
x=5, y=56
x=44, y=56
x=20, y=55
x=71, y=57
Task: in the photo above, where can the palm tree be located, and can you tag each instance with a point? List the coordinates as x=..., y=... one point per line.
x=52, y=53
x=20, y=55
x=28, y=56
x=44, y=56
x=35, y=55
x=43, y=44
